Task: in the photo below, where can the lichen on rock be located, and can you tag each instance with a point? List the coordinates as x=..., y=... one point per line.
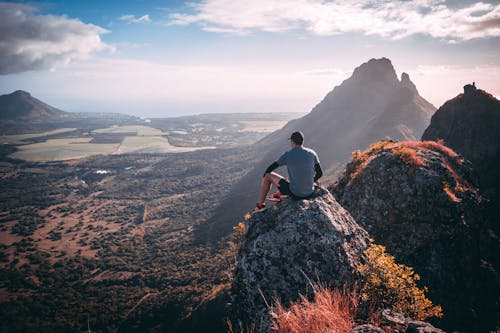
x=421, y=200
x=288, y=247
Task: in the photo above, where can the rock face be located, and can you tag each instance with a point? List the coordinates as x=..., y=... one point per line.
x=420, y=200
x=370, y=105
x=286, y=245
x=469, y=124
x=20, y=105
x=394, y=322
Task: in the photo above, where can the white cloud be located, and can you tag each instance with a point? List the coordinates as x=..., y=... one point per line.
x=33, y=42
x=391, y=19
x=133, y=19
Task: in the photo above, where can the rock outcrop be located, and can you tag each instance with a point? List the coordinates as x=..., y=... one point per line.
x=394, y=322
x=370, y=105
x=469, y=124
x=420, y=200
x=289, y=245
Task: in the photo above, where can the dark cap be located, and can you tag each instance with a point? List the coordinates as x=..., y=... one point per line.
x=297, y=137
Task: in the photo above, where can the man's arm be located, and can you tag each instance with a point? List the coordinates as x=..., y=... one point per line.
x=271, y=168
x=319, y=172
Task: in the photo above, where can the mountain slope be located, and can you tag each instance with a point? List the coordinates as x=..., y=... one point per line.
x=20, y=105
x=372, y=104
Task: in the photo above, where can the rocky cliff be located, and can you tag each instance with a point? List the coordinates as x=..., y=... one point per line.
x=289, y=245
x=469, y=124
x=370, y=105
x=421, y=200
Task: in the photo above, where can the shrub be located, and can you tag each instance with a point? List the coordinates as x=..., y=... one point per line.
x=386, y=284
x=330, y=311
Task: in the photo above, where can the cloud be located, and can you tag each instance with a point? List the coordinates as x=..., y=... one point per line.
x=133, y=19
x=390, y=19
x=33, y=42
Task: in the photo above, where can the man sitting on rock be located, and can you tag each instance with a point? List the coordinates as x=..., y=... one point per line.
x=303, y=170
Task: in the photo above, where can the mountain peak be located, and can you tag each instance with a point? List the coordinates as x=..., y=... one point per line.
x=376, y=69
x=406, y=82
x=20, y=105
x=21, y=93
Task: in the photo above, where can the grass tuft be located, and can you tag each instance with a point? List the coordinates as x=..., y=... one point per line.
x=330, y=311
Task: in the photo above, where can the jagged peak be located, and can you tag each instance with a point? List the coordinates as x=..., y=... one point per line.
x=378, y=69
x=406, y=82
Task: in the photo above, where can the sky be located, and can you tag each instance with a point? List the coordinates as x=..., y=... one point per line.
x=161, y=58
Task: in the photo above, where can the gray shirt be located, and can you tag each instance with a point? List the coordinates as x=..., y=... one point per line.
x=300, y=162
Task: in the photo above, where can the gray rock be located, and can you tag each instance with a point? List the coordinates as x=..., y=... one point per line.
x=367, y=328
x=421, y=201
x=422, y=327
x=287, y=247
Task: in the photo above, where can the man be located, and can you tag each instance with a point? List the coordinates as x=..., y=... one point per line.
x=303, y=170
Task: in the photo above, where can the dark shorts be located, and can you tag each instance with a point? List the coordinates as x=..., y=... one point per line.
x=284, y=187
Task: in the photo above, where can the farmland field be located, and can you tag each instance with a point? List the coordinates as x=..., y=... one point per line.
x=151, y=144
x=136, y=129
x=61, y=150
x=262, y=126
x=15, y=139
x=159, y=136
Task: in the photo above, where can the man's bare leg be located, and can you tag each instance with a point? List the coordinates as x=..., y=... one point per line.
x=268, y=181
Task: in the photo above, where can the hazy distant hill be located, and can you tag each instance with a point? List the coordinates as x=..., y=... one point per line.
x=20, y=105
x=370, y=105
x=20, y=113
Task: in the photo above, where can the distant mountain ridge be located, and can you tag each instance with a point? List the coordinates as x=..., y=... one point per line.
x=370, y=105
x=20, y=105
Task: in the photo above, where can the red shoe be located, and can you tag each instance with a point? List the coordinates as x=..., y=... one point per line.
x=259, y=207
x=275, y=197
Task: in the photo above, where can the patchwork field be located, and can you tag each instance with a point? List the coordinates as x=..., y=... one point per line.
x=262, y=126
x=119, y=140
x=150, y=145
x=61, y=150
x=135, y=129
x=18, y=138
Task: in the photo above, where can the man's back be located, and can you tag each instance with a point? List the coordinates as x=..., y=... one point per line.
x=301, y=163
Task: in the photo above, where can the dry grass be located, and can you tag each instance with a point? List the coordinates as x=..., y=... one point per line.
x=431, y=145
x=378, y=146
x=406, y=150
x=409, y=156
x=330, y=311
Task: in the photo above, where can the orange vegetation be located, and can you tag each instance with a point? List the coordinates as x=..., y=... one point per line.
x=407, y=152
x=449, y=192
x=387, y=284
x=330, y=311
x=408, y=156
x=431, y=145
